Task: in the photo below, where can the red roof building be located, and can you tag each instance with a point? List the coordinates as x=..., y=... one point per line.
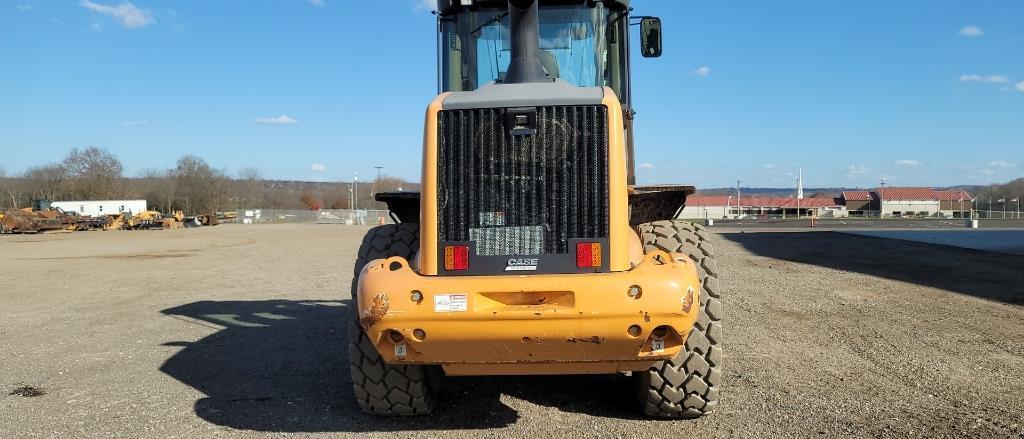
x=960, y=195
x=857, y=195
x=889, y=201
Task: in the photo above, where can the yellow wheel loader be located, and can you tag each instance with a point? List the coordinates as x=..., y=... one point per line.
x=529, y=249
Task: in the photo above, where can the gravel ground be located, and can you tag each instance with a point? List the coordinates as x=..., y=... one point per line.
x=238, y=331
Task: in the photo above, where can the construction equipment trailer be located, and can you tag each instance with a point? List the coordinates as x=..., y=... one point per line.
x=530, y=250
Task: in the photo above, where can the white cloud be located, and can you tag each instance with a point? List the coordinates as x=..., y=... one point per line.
x=907, y=163
x=855, y=170
x=318, y=167
x=1001, y=164
x=702, y=71
x=96, y=26
x=646, y=166
x=24, y=7
x=971, y=31
x=995, y=79
x=987, y=171
x=318, y=2
x=770, y=165
x=135, y=123
x=279, y=120
x=425, y=5
x=1020, y=86
x=129, y=15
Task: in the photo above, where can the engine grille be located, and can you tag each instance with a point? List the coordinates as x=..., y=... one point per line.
x=525, y=194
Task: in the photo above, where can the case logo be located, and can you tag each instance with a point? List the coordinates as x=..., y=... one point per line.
x=522, y=264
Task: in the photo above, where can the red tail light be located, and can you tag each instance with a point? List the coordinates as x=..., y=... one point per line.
x=456, y=257
x=588, y=254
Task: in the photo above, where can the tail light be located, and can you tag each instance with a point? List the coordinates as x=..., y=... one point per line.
x=456, y=257
x=588, y=255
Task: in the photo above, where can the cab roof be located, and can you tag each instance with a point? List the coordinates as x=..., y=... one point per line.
x=451, y=6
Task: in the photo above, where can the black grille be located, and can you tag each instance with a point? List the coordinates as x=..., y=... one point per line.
x=523, y=194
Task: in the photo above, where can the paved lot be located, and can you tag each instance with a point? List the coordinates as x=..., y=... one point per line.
x=862, y=224
x=1003, y=241
x=237, y=331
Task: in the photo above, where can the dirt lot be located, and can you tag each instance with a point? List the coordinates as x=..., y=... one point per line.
x=238, y=331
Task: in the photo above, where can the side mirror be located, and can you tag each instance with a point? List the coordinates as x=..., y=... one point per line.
x=650, y=37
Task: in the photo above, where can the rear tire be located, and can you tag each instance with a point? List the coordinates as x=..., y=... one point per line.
x=687, y=386
x=381, y=388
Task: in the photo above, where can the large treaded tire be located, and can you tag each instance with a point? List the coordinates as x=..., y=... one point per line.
x=687, y=386
x=381, y=388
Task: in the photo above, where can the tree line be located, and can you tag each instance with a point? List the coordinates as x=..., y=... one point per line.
x=192, y=186
x=999, y=197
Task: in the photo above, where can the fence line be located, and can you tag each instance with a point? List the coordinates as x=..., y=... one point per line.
x=322, y=216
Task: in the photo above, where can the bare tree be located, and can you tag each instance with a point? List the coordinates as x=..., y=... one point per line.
x=157, y=187
x=192, y=185
x=248, y=188
x=311, y=201
x=93, y=173
x=200, y=188
x=6, y=191
x=44, y=182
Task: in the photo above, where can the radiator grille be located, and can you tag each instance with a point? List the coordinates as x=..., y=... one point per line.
x=523, y=194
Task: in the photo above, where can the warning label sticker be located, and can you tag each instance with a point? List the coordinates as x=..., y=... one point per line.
x=657, y=344
x=450, y=303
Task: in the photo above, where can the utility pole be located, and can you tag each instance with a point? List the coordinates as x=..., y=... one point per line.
x=881, y=201
x=376, y=184
x=961, y=203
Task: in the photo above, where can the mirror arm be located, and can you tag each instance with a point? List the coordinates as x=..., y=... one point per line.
x=639, y=17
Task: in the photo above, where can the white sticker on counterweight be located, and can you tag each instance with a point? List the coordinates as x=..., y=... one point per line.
x=450, y=303
x=657, y=344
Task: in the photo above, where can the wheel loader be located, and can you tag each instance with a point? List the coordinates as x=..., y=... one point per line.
x=530, y=250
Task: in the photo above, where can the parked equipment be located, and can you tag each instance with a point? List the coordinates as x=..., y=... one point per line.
x=28, y=221
x=530, y=250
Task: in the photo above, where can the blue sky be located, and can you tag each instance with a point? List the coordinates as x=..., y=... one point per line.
x=925, y=92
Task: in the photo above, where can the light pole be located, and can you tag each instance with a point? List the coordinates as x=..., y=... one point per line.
x=799, y=192
x=355, y=190
x=738, y=205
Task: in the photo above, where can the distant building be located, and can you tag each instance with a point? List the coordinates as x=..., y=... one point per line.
x=101, y=207
x=859, y=203
x=955, y=204
x=899, y=202
x=726, y=206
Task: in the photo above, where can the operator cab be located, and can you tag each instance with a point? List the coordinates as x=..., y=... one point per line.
x=584, y=43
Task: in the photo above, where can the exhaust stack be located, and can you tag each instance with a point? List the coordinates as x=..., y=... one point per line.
x=524, y=38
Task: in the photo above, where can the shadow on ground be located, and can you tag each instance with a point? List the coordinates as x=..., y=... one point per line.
x=988, y=275
x=282, y=366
